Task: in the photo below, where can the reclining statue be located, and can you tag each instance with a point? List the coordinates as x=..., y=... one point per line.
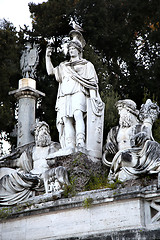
x=27, y=172
x=130, y=149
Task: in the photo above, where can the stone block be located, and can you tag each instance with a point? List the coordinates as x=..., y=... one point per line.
x=113, y=214
x=27, y=82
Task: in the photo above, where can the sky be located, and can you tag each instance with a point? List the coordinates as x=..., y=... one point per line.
x=17, y=11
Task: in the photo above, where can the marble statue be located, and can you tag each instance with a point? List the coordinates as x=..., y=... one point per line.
x=29, y=60
x=26, y=173
x=80, y=110
x=130, y=149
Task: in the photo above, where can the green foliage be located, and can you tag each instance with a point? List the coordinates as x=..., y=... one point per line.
x=69, y=190
x=51, y=19
x=97, y=182
x=111, y=117
x=100, y=182
x=87, y=203
x=5, y=212
x=116, y=184
x=9, y=74
x=127, y=32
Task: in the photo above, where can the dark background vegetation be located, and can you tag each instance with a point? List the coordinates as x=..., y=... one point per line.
x=123, y=43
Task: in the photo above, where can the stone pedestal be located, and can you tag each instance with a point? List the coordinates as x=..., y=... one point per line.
x=81, y=170
x=26, y=95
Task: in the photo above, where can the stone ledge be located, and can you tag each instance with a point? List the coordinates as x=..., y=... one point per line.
x=124, y=213
x=55, y=201
x=139, y=234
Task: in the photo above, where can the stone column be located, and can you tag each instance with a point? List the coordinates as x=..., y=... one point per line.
x=27, y=95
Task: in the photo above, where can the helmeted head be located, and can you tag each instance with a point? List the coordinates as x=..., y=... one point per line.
x=77, y=41
x=76, y=44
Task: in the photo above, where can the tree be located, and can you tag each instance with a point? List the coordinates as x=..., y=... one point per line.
x=127, y=32
x=9, y=73
x=123, y=43
x=122, y=37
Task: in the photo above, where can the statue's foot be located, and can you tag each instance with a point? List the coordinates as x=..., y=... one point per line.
x=80, y=143
x=80, y=140
x=111, y=177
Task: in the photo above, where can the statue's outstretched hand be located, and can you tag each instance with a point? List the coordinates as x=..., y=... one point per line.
x=110, y=148
x=48, y=51
x=140, y=138
x=109, y=151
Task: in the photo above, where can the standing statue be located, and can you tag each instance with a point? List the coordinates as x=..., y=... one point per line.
x=77, y=95
x=29, y=173
x=29, y=60
x=130, y=149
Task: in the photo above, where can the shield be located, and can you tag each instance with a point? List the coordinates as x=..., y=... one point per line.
x=95, y=122
x=32, y=58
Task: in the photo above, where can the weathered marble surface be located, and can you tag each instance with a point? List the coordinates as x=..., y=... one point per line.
x=28, y=172
x=81, y=169
x=133, y=211
x=27, y=96
x=80, y=110
x=131, y=146
x=29, y=60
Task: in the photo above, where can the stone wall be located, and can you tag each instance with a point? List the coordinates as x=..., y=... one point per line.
x=129, y=213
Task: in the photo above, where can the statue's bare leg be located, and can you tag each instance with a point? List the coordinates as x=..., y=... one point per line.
x=69, y=132
x=80, y=128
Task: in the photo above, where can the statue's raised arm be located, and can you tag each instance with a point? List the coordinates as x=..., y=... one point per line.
x=49, y=66
x=77, y=95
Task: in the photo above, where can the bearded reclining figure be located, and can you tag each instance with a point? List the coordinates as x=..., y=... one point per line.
x=26, y=172
x=130, y=149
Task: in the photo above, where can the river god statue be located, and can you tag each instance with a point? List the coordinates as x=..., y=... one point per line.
x=130, y=149
x=26, y=173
